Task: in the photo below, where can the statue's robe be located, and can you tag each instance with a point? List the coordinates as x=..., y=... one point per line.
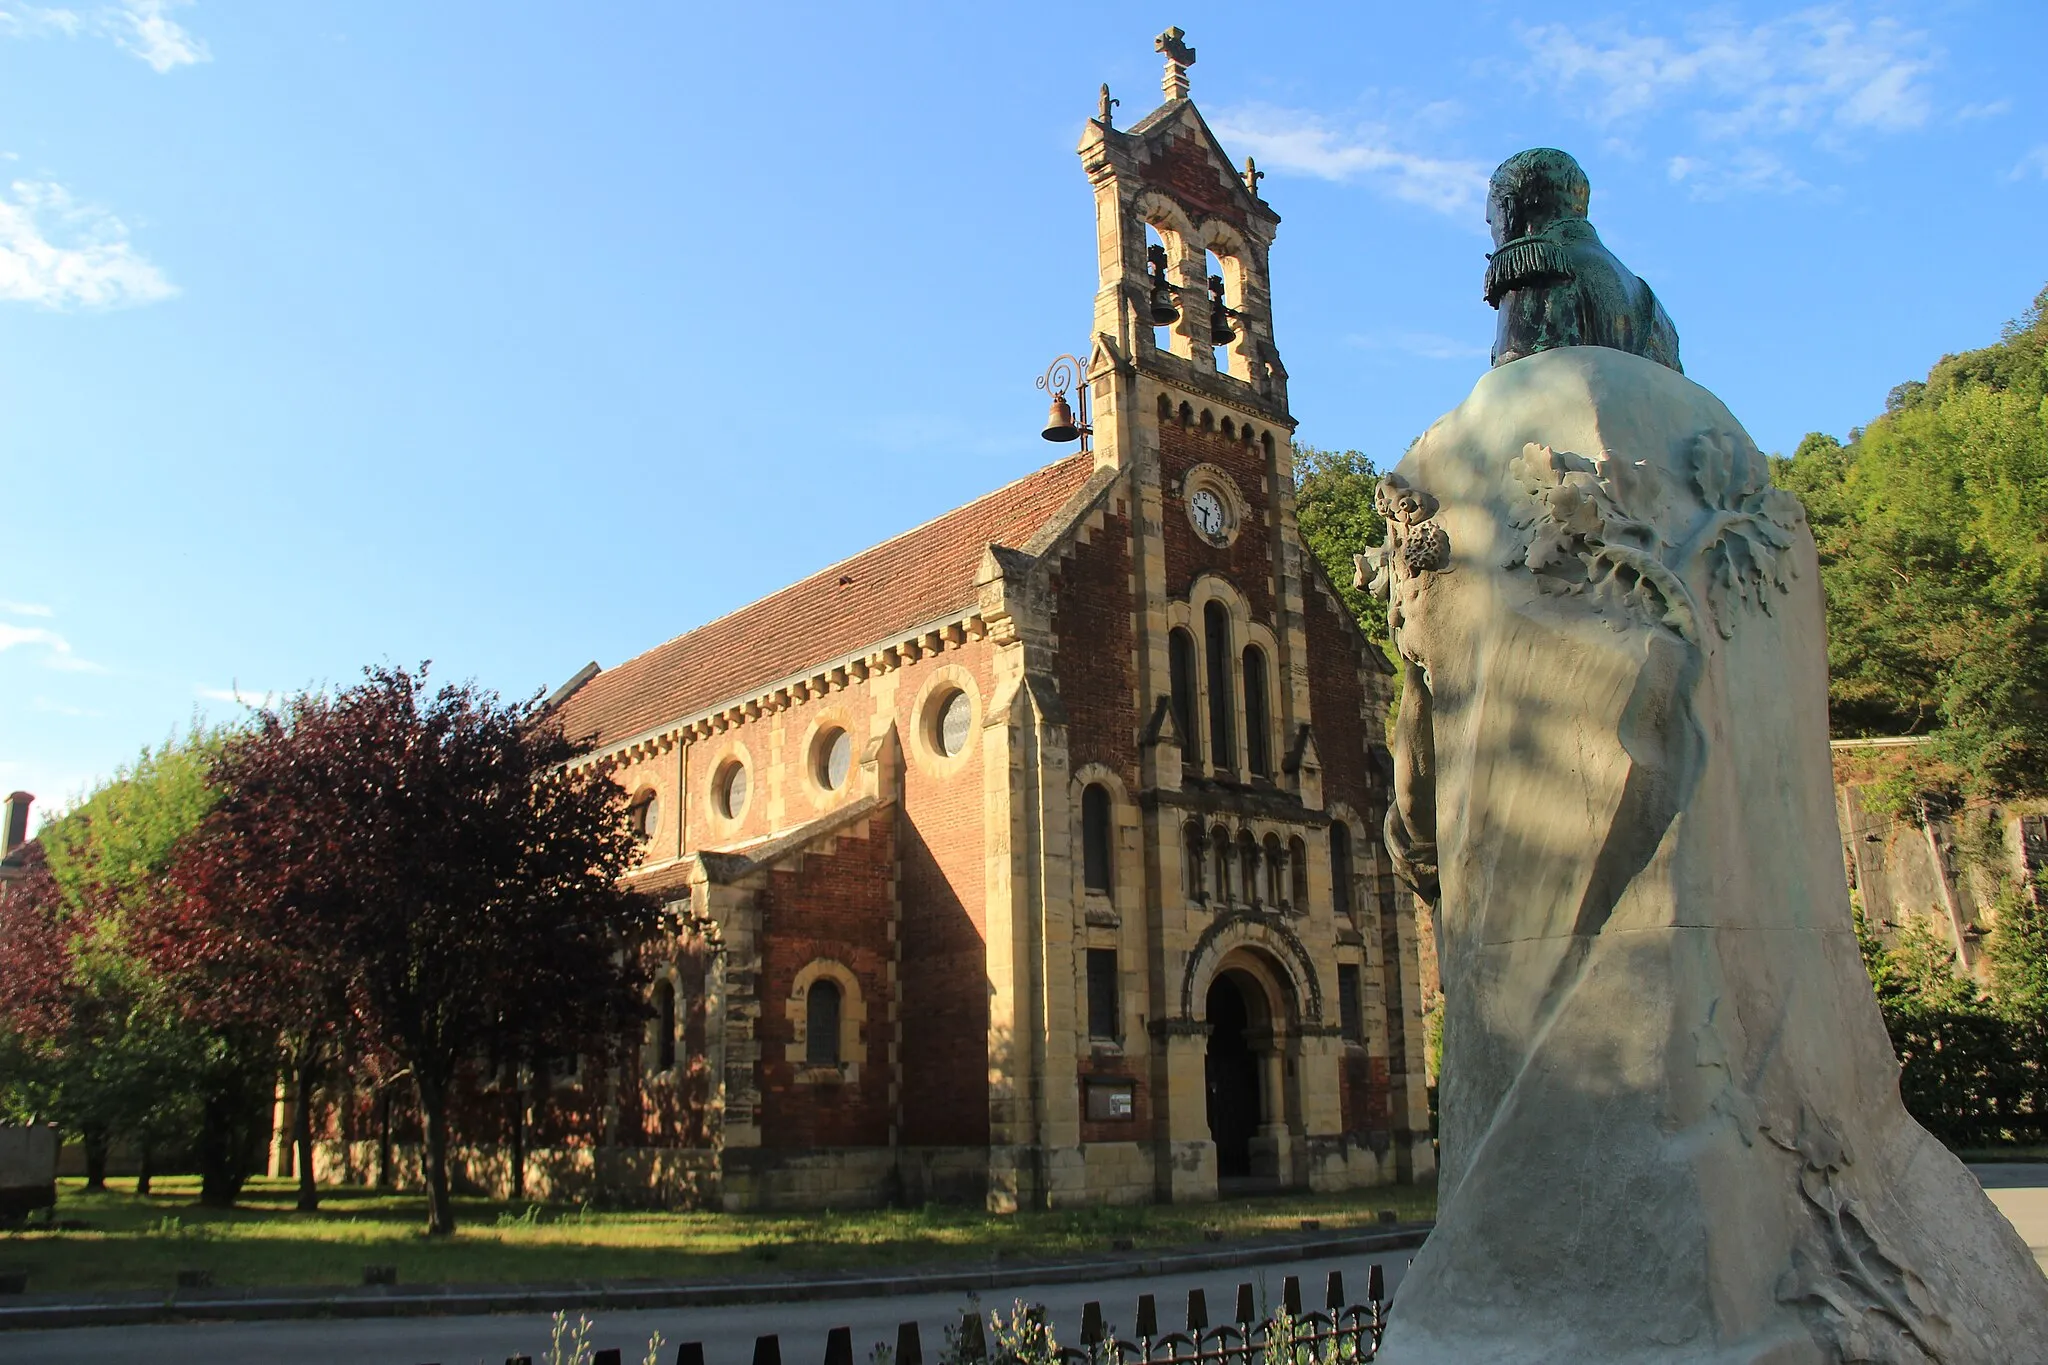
x=1562, y=287
x=1671, y=1127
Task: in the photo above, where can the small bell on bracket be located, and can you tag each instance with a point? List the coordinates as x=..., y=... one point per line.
x=1221, y=333
x=1062, y=423
x=1059, y=423
x=1165, y=311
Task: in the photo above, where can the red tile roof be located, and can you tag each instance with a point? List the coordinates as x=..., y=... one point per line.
x=917, y=577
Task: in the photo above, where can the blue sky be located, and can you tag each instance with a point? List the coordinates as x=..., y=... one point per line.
x=512, y=336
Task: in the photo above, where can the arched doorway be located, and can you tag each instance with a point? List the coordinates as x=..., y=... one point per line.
x=1235, y=1002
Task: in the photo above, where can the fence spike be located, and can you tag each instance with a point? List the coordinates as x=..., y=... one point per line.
x=1375, y=1284
x=1091, y=1323
x=1245, y=1311
x=518, y=1360
x=608, y=1356
x=839, y=1346
x=690, y=1353
x=973, y=1342
x=909, y=1345
x=1148, y=1317
x=1333, y=1298
x=1198, y=1311
x=1290, y=1294
x=768, y=1350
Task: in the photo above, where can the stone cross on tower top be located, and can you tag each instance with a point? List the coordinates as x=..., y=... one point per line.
x=1179, y=57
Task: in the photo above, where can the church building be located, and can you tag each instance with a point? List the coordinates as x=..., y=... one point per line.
x=1033, y=857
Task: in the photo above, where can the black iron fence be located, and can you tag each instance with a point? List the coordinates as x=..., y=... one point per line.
x=1338, y=1333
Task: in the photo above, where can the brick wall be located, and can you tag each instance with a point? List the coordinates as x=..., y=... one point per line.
x=1095, y=664
x=944, y=964
x=835, y=904
x=1246, y=562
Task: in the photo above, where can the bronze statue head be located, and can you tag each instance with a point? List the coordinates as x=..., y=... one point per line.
x=1532, y=190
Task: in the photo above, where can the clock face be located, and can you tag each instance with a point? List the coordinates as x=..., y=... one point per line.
x=1207, y=509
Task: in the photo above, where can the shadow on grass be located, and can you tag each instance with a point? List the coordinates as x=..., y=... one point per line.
x=132, y=1242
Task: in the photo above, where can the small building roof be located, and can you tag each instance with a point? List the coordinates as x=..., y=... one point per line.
x=916, y=577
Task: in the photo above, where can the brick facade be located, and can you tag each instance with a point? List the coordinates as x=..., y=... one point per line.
x=944, y=888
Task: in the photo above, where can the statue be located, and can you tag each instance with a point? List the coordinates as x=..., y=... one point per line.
x=1550, y=277
x=1670, y=1120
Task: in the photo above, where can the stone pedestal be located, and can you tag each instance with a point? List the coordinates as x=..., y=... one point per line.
x=1670, y=1118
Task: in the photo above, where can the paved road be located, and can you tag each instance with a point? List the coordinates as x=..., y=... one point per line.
x=727, y=1333
x=2019, y=1190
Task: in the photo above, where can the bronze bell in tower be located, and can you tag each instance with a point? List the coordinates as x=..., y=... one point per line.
x=1221, y=333
x=1165, y=311
x=1059, y=422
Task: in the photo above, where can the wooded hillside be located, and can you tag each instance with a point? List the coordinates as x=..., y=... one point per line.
x=1932, y=524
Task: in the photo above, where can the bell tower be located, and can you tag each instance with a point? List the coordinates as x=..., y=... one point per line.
x=1182, y=239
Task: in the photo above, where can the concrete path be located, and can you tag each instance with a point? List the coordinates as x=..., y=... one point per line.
x=727, y=1333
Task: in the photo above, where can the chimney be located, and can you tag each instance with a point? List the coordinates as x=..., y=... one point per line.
x=14, y=822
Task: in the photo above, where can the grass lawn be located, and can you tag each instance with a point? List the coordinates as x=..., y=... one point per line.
x=128, y=1242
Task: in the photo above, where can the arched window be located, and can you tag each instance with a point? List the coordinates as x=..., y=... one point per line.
x=1095, y=837
x=821, y=1024
x=1156, y=259
x=1297, y=870
x=664, y=1026
x=1219, y=849
x=1216, y=625
x=1215, y=324
x=1257, y=754
x=1276, y=872
x=1197, y=849
x=1248, y=865
x=1165, y=409
x=1180, y=648
x=1340, y=867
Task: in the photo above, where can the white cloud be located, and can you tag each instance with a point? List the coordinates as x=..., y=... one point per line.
x=2033, y=163
x=1970, y=113
x=62, y=708
x=32, y=21
x=1424, y=345
x=1288, y=140
x=58, y=253
x=25, y=609
x=1818, y=72
x=55, y=649
x=11, y=636
x=143, y=28
x=1749, y=170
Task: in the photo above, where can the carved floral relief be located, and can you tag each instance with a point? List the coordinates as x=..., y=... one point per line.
x=1591, y=526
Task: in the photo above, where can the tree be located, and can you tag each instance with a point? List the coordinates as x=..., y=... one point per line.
x=429, y=855
x=1932, y=527
x=106, y=1047
x=1333, y=506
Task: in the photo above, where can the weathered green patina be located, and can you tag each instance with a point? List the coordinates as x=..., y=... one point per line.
x=1553, y=281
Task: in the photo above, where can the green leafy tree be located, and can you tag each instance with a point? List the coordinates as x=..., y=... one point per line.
x=2018, y=950
x=1333, y=506
x=1932, y=526
x=107, y=1049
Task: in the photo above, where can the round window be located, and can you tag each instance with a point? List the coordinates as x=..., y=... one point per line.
x=730, y=791
x=955, y=721
x=834, y=759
